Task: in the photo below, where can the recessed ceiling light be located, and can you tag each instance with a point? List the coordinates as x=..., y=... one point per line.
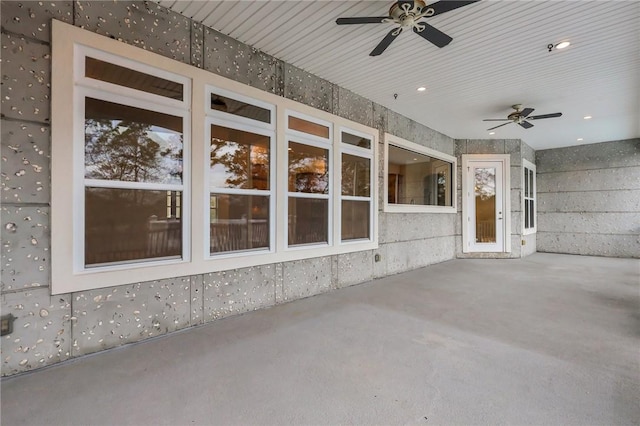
x=562, y=45
x=580, y=139
x=421, y=89
x=587, y=117
x=492, y=133
x=415, y=159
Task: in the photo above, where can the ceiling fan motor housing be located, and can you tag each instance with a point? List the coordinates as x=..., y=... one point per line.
x=398, y=13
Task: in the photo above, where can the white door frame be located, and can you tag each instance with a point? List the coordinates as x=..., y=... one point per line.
x=506, y=198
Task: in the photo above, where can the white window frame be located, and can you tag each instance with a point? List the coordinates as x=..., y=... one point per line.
x=527, y=165
x=315, y=141
x=68, y=182
x=390, y=139
x=215, y=120
x=81, y=88
x=361, y=152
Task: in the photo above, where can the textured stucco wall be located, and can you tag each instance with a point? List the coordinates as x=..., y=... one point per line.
x=517, y=150
x=589, y=199
x=50, y=329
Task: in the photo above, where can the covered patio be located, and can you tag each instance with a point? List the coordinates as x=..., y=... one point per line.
x=546, y=339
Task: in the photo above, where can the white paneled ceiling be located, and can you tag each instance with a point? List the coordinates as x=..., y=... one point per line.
x=498, y=57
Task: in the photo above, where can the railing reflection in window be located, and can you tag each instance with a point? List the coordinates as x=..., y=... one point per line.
x=128, y=224
x=308, y=221
x=241, y=222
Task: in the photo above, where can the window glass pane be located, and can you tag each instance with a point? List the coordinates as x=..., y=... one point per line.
x=526, y=182
x=308, y=169
x=130, y=144
x=356, y=175
x=238, y=159
x=532, y=221
x=485, y=195
x=308, y=221
x=309, y=127
x=418, y=179
x=242, y=109
x=111, y=73
x=531, y=194
x=238, y=222
x=356, y=140
x=355, y=219
x=526, y=214
x=130, y=224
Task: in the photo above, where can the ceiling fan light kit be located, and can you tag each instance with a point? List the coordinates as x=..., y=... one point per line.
x=520, y=116
x=407, y=14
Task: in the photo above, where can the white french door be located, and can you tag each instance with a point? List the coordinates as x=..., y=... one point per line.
x=485, y=203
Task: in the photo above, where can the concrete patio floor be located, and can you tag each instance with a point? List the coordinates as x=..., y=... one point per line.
x=549, y=339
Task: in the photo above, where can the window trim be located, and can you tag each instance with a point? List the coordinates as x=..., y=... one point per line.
x=122, y=95
x=65, y=279
x=390, y=139
x=534, y=229
x=315, y=141
x=356, y=151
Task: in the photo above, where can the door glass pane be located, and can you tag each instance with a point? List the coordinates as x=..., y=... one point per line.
x=238, y=159
x=238, y=222
x=355, y=220
x=130, y=224
x=485, y=196
x=356, y=175
x=308, y=169
x=308, y=221
x=130, y=144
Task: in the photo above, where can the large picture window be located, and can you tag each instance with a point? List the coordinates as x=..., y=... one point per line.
x=160, y=169
x=529, y=197
x=418, y=178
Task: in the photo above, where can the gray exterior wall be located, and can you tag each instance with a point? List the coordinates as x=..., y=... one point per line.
x=50, y=329
x=521, y=245
x=589, y=199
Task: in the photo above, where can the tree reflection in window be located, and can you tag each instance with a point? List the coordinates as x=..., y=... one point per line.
x=239, y=159
x=308, y=169
x=129, y=144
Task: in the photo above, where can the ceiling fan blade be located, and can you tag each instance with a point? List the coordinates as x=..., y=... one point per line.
x=362, y=20
x=433, y=35
x=386, y=41
x=447, y=5
x=526, y=124
x=538, y=117
x=496, y=119
x=525, y=112
x=500, y=125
